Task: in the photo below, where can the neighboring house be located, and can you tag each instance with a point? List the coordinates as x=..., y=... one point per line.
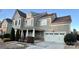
x=36, y=24
x=0, y=28
x=6, y=25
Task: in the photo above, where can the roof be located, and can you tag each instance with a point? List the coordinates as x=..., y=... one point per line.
x=21, y=13
x=46, y=15
x=50, y=14
x=65, y=19
x=8, y=20
x=34, y=13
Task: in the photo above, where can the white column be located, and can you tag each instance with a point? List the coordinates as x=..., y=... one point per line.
x=21, y=33
x=26, y=32
x=15, y=31
x=33, y=34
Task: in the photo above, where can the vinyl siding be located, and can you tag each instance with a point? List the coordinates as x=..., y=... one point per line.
x=60, y=27
x=17, y=18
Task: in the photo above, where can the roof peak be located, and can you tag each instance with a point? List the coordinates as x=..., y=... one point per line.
x=21, y=13
x=7, y=19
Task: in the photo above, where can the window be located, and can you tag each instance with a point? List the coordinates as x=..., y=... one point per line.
x=43, y=22
x=19, y=22
x=15, y=22
x=56, y=33
x=51, y=33
x=29, y=22
x=61, y=33
x=26, y=22
x=46, y=33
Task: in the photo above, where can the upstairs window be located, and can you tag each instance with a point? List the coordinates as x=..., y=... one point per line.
x=46, y=33
x=43, y=22
x=19, y=22
x=26, y=22
x=15, y=22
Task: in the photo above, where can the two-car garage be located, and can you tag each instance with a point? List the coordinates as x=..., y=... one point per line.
x=54, y=36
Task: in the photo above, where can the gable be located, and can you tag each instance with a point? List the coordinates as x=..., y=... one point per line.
x=4, y=23
x=22, y=14
x=16, y=15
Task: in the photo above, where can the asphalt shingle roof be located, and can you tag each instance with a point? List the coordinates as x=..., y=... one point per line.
x=8, y=20
x=65, y=19
x=21, y=13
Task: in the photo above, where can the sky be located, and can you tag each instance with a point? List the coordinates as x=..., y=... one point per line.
x=74, y=13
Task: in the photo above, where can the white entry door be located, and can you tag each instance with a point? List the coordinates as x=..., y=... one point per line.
x=54, y=36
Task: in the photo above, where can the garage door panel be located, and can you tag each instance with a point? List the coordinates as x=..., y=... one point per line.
x=54, y=36
x=61, y=38
x=48, y=38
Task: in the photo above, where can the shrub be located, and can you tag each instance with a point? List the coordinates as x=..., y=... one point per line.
x=12, y=37
x=77, y=37
x=17, y=35
x=6, y=35
x=70, y=39
x=1, y=36
x=6, y=39
x=30, y=39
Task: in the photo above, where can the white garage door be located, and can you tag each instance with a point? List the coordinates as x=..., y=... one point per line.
x=54, y=36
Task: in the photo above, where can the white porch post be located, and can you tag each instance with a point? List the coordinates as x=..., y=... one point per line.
x=15, y=31
x=26, y=32
x=21, y=33
x=33, y=34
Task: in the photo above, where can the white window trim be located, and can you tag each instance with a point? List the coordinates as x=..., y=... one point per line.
x=43, y=22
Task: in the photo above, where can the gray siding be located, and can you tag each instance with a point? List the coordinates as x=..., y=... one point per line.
x=63, y=27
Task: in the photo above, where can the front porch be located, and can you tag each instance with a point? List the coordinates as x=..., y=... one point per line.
x=37, y=34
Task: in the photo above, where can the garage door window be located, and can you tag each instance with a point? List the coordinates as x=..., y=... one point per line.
x=61, y=33
x=51, y=33
x=46, y=33
x=55, y=33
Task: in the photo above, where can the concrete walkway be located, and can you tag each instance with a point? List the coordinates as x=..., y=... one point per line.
x=12, y=45
x=51, y=45
x=36, y=45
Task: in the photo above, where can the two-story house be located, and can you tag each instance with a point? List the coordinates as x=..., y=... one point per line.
x=35, y=24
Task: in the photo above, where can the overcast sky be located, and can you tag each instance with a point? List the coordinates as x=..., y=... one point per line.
x=8, y=13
